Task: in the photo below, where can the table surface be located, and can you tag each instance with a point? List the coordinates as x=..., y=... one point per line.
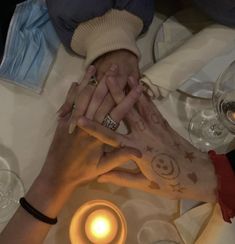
x=27, y=124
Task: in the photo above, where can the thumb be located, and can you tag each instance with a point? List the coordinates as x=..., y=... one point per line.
x=125, y=179
x=118, y=157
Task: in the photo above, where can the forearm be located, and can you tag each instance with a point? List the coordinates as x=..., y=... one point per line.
x=23, y=227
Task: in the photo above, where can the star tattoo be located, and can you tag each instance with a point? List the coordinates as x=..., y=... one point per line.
x=178, y=188
x=149, y=149
x=189, y=156
x=177, y=145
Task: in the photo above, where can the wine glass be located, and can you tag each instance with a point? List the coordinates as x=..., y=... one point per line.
x=11, y=190
x=209, y=128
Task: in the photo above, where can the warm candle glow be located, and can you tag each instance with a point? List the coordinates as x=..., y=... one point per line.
x=98, y=222
x=231, y=116
x=101, y=226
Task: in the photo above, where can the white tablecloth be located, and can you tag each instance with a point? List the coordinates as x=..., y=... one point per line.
x=27, y=124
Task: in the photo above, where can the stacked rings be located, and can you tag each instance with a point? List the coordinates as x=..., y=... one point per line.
x=110, y=123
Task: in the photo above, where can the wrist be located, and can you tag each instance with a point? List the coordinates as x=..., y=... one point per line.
x=47, y=197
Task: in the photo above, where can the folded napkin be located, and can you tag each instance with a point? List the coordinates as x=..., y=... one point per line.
x=170, y=72
x=177, y=29
x=217, y=230
x=148, y=220
x=157, y=231
x=191, y=223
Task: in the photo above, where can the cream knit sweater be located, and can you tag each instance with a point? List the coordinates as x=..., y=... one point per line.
x=113, y=31
x=119, y=29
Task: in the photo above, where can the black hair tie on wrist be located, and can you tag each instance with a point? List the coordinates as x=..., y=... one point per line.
x=35, y=213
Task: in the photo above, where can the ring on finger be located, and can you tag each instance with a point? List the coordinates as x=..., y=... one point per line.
x=93, y=81
x=110, y=123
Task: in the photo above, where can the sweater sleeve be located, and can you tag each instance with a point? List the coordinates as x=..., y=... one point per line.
x=92, y=27
x=113, y=31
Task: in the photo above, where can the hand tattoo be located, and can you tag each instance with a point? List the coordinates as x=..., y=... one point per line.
x=165, y=166
x=140, y=126
x=189, y=156
x=178, y=188
x=177, y=145
x=193, y=177
x=155, y=118
x=149, y=149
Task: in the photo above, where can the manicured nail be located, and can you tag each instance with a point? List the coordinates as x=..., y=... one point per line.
x=58, y=113
x=91, y=68
x=72, y=127
x=81, y=121
x=59, y=116
x=101, y=180
x=113, y=67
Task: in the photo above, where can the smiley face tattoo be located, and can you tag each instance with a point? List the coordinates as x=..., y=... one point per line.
x=165, y=166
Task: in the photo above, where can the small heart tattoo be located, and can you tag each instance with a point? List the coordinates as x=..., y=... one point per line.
x=154, y=185
x=193, y=177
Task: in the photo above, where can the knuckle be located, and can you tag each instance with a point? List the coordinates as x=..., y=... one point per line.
x=134, y=95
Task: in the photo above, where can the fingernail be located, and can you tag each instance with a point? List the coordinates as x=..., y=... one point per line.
x=58, y=113
x=81, y=121
x=101, y=180
x=113, y=67
x=72, y=127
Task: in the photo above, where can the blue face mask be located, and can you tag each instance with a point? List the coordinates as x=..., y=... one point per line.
x=31, y=46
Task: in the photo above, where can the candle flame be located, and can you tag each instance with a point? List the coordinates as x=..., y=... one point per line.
x=100, y=227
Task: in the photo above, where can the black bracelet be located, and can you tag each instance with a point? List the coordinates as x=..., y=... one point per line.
x=35, y=213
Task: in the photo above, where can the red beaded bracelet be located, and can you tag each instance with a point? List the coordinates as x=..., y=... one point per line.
x=226, y=185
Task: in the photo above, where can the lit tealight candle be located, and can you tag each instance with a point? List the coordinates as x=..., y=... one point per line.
x=101, y=226
x=231, y=116
x=99, y=222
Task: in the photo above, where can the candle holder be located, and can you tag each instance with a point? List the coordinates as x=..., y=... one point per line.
x=99, y=222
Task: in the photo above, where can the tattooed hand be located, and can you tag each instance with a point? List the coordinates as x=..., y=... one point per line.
x=169, y=165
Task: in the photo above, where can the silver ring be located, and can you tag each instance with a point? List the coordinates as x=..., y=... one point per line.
x=74, y=106
x=93, y=81
x=110, y=123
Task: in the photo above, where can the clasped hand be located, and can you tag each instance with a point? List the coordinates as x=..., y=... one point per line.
x=168, y=165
